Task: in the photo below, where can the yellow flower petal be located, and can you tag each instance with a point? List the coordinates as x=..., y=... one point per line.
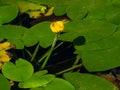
x=11, y=83
x=57, y=26
x=4, y=57
x=34, y=14
x=1, y=64
x=49, y=12
x=4, y=46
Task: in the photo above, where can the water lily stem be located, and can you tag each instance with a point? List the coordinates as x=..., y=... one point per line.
x=69, y=69
x=76, y=61
x=35, y=52
x=45, y=55
x=50, y=52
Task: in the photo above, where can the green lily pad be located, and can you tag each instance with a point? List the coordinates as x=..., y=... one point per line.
x=8, y=13
x=35, y=81
x=79, y=9
x=19, y=71
x=109, y=14
x=102, y=54
x=39, y=33
x=4, y=83
x=56, y=84
x=89, y=82
x=92, y=30
x=13, y=34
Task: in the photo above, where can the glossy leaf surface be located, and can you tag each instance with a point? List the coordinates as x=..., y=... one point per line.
x=89, y=82
x=35, y=81
x=13, y=34
x=19, y=71
x=4, y=83
x=39, y=33
x=7, y=13
x=57, y=84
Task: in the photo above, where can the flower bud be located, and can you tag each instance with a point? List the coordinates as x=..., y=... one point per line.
x=57, y=26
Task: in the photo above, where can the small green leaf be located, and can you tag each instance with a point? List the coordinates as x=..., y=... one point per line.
x=4, y=83
x=7, y=13
x=13, y=34
x=19, y=71
x=89, y=82
x=56, y=84
x=35, y=81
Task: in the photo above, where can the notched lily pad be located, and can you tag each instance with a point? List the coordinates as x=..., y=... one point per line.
x=19, y=71
x=57, y=84
x=102, y=54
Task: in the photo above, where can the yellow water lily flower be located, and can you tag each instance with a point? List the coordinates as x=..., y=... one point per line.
x=57, y=26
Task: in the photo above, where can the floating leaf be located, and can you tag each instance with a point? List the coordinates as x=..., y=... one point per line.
x=13, y=34
x=56, y=84
x=35, y=81
x=7, y=13
x=4, y=83
x=39, y=33
x=34, y=10
x=108, y=14
x=92, y=30
x=19, y=71
x=79, y=9
x=98, y=55
x=89, y=82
